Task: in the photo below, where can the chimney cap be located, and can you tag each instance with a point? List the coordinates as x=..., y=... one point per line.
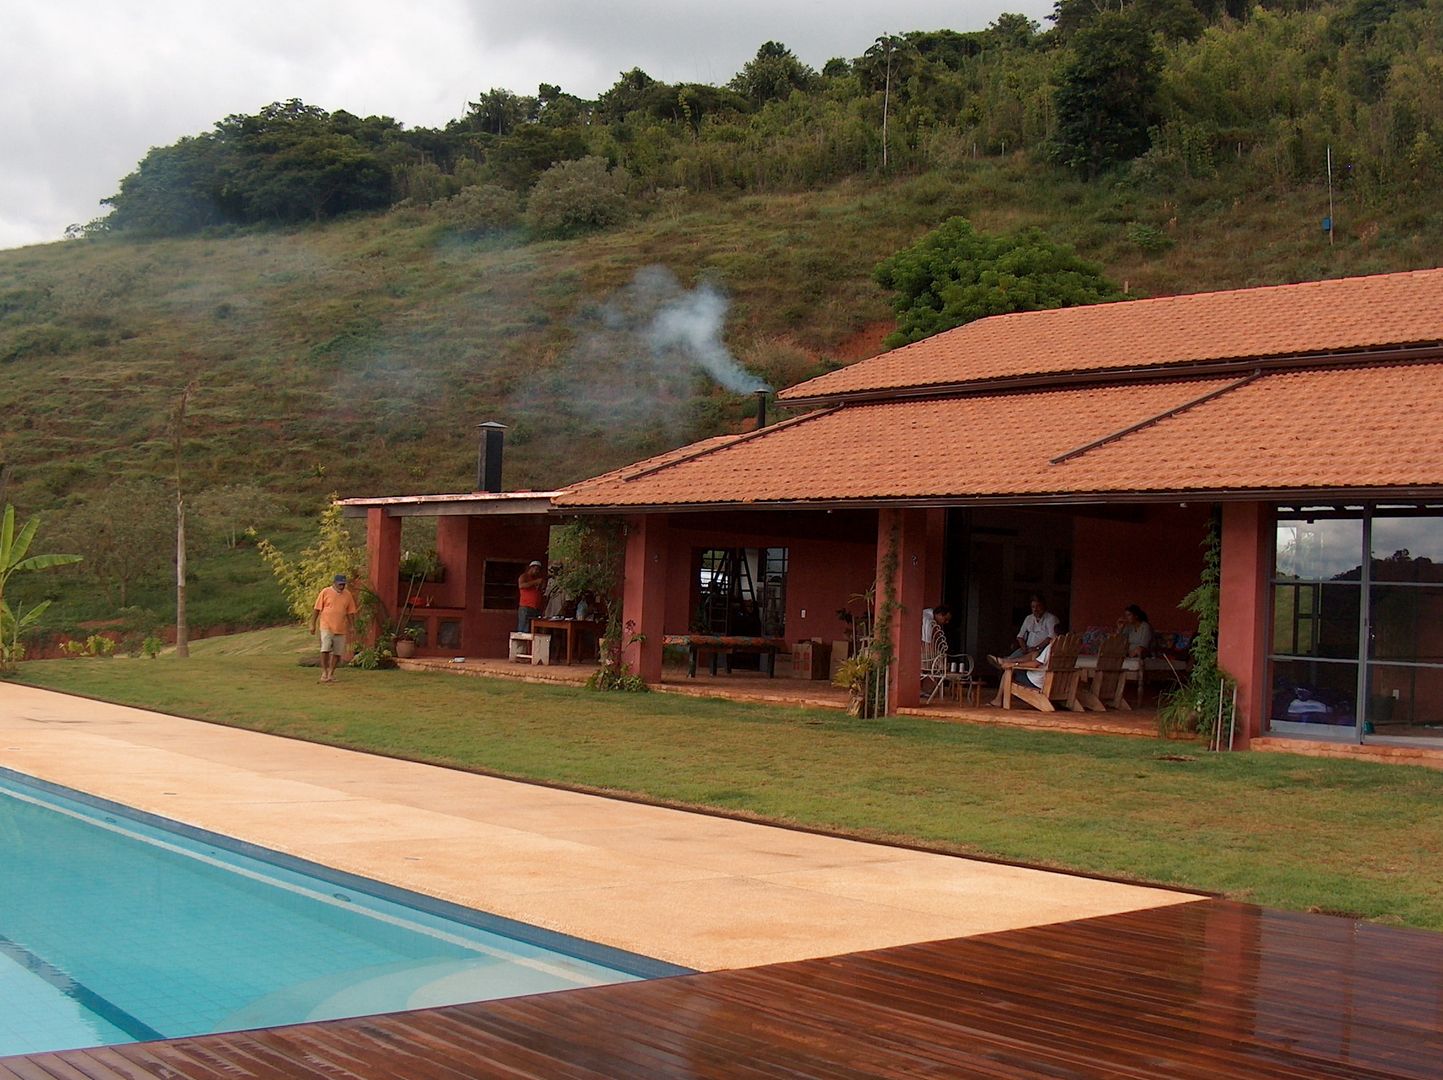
x=491, y=424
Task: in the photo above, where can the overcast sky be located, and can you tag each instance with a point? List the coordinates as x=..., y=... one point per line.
x=87, y=87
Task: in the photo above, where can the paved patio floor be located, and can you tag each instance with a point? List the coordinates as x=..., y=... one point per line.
x=696, y=890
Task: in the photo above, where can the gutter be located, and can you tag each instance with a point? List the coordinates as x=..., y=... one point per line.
x=1174, y=495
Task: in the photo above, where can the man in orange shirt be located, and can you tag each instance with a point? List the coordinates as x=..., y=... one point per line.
x=531, y=595
x=335, y=613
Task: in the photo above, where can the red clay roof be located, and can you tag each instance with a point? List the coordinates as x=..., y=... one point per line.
x=1317, y=430
x=1316, y=317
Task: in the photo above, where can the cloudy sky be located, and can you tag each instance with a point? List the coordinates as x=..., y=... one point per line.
x=89, y=86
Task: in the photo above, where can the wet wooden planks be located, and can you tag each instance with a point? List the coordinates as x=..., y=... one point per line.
x=1198, y=990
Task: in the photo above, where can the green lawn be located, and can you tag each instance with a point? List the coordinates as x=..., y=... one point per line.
x=1275, y=829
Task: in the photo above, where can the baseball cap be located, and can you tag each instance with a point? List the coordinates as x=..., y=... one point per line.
x=339, y=579
x=537, y=562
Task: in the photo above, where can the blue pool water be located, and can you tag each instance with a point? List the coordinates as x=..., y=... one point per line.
x=116, y=926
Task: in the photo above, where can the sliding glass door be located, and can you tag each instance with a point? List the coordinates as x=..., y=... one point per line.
x=1357, y=650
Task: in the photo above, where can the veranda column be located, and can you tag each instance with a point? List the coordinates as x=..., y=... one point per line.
x=383, y=561
x=1243, y=607
x=643, y=605
x=902, y=577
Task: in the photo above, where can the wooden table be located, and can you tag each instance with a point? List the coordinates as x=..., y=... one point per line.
x=723, y=646
x=570, y=628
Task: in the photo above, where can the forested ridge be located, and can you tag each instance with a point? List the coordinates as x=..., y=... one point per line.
x=1159, y=91
x=349, y=297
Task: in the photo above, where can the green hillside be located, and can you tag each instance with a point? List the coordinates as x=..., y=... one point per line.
x=356, y=354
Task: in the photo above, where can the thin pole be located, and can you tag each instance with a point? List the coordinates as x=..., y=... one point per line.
x=1233, y=716
x=1330, y=195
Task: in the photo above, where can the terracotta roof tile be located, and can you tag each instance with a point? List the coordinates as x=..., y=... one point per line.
x=1283, y=320
x=1338, y=428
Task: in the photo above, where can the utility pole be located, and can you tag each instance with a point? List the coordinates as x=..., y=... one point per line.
x=182, y=635
x=886, y=95
x=1329, y=222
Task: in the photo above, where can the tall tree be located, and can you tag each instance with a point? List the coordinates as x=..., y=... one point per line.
x=1108, y=96
x=772, y=75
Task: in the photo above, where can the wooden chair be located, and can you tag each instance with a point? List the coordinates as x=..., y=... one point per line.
x=1109, y=680
x=1059, y=679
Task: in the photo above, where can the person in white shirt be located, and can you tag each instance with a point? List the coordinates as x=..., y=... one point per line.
x=1037, y=630
x=933, y=617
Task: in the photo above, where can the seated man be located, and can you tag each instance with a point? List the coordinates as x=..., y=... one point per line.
x=1033, y=665
x=932, y=618
x=1039, y=628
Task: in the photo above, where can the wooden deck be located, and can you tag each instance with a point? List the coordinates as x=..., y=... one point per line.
x=1201, y=990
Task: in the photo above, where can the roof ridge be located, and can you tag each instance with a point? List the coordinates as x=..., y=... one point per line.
x=745, y=436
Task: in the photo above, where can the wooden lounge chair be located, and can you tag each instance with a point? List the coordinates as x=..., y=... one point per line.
x=1108, y=680
x=1059, y=679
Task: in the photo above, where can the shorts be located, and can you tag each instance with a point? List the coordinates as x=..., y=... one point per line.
x=332, y=643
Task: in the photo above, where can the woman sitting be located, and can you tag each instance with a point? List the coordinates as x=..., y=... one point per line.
x=1134, y=626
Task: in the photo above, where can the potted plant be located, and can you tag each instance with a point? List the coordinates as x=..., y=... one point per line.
x=405, y=643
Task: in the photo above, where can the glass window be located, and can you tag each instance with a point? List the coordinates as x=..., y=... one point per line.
x=1407, y=623
x=448, y=633
x=1321, y=549
x=1310, y=692
x=498, y=585
x=1408, y=549
x=1405, y=702
x=1316, y=620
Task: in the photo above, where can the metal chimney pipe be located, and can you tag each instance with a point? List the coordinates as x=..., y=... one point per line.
x=761, y=408
x=488, y=456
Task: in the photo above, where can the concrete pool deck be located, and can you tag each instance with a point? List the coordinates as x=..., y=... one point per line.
x=701, y=891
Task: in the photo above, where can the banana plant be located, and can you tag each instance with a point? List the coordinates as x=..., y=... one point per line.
x=13, y=625
x=14, y=559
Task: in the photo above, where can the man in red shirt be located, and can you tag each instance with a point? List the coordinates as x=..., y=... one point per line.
x=531, y=587
x=335, y=614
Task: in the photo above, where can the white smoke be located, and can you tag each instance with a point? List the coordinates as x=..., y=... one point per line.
x=688, y=326
x=642, y=370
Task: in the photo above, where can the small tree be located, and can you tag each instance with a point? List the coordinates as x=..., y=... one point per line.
x=228, y=512
x=333, y=553
x=955, y=275
x=577, y=196
x=126, y=535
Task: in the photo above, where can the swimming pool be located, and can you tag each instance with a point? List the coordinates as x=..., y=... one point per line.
x=118, y=926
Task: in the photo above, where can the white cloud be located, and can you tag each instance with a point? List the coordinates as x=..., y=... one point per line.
x=90, y=86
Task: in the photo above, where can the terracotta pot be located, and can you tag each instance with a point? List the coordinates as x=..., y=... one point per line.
x=405, y=648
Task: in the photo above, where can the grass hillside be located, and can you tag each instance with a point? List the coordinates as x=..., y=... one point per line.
x=357, y=356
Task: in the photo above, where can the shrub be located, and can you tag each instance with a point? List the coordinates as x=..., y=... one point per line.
x=151, y=647
x=574, y=197
x=483, y=210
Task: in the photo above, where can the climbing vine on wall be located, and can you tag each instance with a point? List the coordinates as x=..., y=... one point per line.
x=1207, y=693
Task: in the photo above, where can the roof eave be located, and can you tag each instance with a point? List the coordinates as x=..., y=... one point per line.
x=1411, y=493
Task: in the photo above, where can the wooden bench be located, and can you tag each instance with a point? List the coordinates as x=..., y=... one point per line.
x=725, y=646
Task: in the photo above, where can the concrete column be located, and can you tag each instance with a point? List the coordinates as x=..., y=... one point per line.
x=1243, y=610
x=643, y=605
x=906, y=533
x=453, y=540
x=383, y=561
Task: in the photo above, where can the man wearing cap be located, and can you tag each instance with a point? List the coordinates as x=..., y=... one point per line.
x=334, y=614
x=531, y=589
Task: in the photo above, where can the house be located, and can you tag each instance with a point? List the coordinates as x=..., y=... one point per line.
x=1085, y=454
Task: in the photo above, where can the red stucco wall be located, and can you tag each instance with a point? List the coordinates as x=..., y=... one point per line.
x=822, y=574
x=1152, y=558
